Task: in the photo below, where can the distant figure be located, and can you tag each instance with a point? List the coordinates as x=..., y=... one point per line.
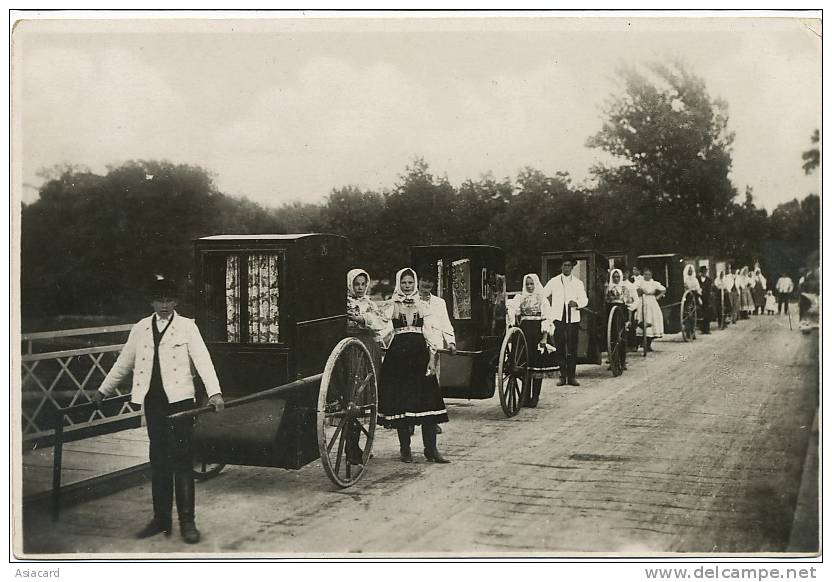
x=733, y=290
x=651, y=313
x=784, y=288
x=161, y=353
x=771, y=303
x=441, y=333
x=759, y=291
x=568, y=298
x=530, y=311
x=706, y=285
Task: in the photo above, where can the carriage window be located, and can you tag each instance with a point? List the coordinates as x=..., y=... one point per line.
x=221, y=298
x=461, y=284
x=242, y=298
x=263, y=299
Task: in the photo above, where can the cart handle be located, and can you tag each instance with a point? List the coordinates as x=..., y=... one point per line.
x=262, y=395
x=458, y=352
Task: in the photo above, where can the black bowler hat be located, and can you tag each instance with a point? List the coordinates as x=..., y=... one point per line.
x=161, y=286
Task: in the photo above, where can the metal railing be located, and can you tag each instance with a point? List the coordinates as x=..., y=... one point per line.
x=60, y=379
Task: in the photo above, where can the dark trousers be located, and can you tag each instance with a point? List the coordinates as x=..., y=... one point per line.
x=566, y=338
x=706, y=317
x=170, y=457
x=782, y=301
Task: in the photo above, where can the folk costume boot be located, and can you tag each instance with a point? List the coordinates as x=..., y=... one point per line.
x=562, y=380
x=649, y=345
x=429, y=440
x=156, y=526
x=536, y=385
x=404, y=445
x=185, y=501
x=355, y=456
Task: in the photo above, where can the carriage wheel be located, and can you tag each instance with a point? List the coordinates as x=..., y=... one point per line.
x=512, y=373
x=203, y=471
x=347, y=406
x=617, y=340
x=688, y=314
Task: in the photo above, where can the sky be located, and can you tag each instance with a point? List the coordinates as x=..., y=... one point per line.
x=286, y=109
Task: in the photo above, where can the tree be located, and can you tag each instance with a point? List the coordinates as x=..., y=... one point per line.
x=673, y=147
x=811, y=157
x=90, y=242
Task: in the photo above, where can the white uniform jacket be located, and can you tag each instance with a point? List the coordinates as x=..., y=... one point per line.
x=180, y=352
x=562, y=290
x=440, y=331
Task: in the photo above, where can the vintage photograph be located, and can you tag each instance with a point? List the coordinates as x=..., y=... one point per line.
x=415, y=284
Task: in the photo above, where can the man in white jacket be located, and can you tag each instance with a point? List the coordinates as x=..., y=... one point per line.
x=568, y=298
x=161, y=351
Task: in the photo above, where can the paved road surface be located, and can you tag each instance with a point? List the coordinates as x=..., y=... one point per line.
x=698, y=448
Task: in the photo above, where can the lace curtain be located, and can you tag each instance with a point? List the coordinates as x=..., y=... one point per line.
x=462, y=288
x=263, y=299
x=232, y=298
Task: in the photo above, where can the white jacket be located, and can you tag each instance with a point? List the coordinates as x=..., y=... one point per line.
x=562, y=290
x=180, y=352
x=439, y=330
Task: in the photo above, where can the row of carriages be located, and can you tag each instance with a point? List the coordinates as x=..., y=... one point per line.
x=272, y=311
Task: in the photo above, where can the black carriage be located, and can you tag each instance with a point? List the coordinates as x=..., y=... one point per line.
x=603, y=326
x=271, y=311
x=471, y=280
x=618, y=260
x=679, y=305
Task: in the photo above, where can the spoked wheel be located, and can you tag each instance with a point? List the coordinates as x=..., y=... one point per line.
x=512, y=373
x=617, y=339
x=688, y=314
x=203, y=471
x=347, y=407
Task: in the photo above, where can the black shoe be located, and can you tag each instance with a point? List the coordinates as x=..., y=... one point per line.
x=435, y=457
x=355, y=457
x=189, y=532
x=532, y=403
x=152, y=529
x=405, y=455
x=438, y=429
x=562, y=382
x=573, y=382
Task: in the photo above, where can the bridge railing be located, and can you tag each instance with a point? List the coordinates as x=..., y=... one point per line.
x=60, y=378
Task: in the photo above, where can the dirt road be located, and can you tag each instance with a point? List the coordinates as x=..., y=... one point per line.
x=698, y=448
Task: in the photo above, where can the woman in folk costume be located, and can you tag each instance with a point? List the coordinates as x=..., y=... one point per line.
x=619, y=291
x=759, y=291
x=739, y=286
x=690, y=280
x=747, y=300
x=364, y=317
x=409, y=391
x=531, y=312
x=632, y=302
x=651, y=312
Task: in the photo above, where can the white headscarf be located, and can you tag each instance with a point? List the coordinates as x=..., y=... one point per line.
x=620, y=278
x=690, y=280
x=351, y=275
x=760, y=279
x=538, y=286
x=398, y=295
